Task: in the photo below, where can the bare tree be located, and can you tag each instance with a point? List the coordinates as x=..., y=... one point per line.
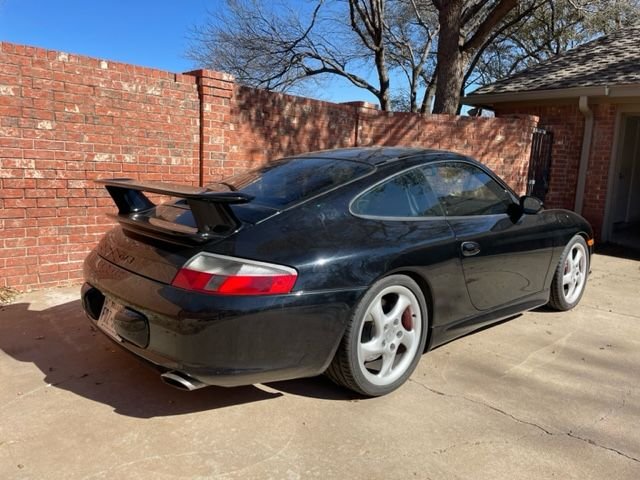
x=411, y=27
x=549, y=29
x=275, y=46
x=552, y=28
x=464, y=28
x=367, y=21
x=420, y=52
x=605, y=16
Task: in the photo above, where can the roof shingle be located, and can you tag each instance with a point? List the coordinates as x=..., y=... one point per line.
x=610, y=60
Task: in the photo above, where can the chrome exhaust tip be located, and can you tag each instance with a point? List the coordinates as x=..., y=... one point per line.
x=181, y=381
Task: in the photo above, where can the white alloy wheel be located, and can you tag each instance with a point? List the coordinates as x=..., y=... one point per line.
x=385, y=338
x=570, y=278
x=389, y=335
x=575, y=272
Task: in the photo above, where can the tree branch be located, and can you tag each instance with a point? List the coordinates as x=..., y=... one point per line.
x=486, y=27
x=472, y=10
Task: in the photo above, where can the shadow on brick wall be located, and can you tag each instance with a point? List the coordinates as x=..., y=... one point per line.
x=268, y=125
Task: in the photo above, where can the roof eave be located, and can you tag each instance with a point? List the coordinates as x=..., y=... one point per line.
x=614, y=91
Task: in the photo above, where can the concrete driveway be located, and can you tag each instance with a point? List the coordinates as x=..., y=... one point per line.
x=546, y=395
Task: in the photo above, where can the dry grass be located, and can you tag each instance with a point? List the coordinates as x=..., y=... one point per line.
x=7, y=295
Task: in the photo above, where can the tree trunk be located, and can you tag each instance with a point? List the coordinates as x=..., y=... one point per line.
x=367, y=21
x=430, y=91
x=383, y=78
x=413, y=100
x=413, y=93
x=450, y=58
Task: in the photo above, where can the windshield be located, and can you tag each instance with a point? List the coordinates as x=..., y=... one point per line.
x=284, y=182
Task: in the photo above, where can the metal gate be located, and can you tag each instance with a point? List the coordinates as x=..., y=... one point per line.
x=540, y=163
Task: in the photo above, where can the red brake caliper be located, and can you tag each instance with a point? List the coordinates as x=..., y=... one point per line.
x=407, y=319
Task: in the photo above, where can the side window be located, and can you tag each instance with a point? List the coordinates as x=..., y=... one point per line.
x=464, y=189
x=406, y=195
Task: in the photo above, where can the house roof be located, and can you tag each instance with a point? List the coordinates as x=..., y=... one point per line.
x=612, y=60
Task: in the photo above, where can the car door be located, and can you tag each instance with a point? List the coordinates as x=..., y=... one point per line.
x=404, y=229
x=505, y=254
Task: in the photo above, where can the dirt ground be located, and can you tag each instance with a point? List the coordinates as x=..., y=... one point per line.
x=545, y=395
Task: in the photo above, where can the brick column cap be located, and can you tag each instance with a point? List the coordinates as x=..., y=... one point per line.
x=361, y=104
x=211, y=74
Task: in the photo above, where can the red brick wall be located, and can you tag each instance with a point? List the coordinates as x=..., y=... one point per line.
x=66, y=120
x=269, y=125
x=567, y=124
x=595, y=194
x=504, y=144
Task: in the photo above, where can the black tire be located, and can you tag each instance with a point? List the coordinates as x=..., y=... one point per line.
x=563, y=297
x=401, y=341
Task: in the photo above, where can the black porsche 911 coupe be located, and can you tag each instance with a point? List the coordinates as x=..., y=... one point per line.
x=350, y=262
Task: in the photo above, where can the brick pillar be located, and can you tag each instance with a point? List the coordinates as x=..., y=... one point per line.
x=215, y=90
x=361, y=109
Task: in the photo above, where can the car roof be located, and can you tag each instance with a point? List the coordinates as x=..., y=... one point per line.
x=370, y=155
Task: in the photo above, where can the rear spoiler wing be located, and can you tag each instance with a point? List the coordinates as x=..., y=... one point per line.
x=211, y=210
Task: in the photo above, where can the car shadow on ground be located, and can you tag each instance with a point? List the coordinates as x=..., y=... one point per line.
x=316, y=387
x=73, y=356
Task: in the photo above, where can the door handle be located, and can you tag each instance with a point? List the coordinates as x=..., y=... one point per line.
x=469, y=249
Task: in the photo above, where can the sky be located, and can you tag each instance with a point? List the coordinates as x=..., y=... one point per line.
x=150, y=33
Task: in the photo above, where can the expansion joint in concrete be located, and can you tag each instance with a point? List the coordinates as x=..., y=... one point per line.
x=546, y=431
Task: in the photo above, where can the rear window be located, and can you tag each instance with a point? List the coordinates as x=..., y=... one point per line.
x=285, y=182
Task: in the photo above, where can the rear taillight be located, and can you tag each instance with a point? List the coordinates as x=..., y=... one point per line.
x=222, y=275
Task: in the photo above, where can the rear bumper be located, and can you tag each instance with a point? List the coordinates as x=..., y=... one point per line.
x=221, y=340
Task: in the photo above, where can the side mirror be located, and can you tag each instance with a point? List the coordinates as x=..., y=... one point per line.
x=530, y=205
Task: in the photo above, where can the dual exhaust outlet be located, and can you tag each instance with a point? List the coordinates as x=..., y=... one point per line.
x=181, y=381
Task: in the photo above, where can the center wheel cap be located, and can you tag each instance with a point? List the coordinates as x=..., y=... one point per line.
x=389, y=335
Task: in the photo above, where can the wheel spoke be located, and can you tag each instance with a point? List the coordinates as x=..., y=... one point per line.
x=371, y=350
x=566, y=279
x=400, y=306
x=388, y=358
x=408, y=338
x=577, y=260
x=379, y=318
x=568, y=266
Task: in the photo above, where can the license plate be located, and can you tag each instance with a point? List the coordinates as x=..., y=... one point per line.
x=106, y=322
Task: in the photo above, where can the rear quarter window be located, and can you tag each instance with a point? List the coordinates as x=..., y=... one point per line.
x=403, y=196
